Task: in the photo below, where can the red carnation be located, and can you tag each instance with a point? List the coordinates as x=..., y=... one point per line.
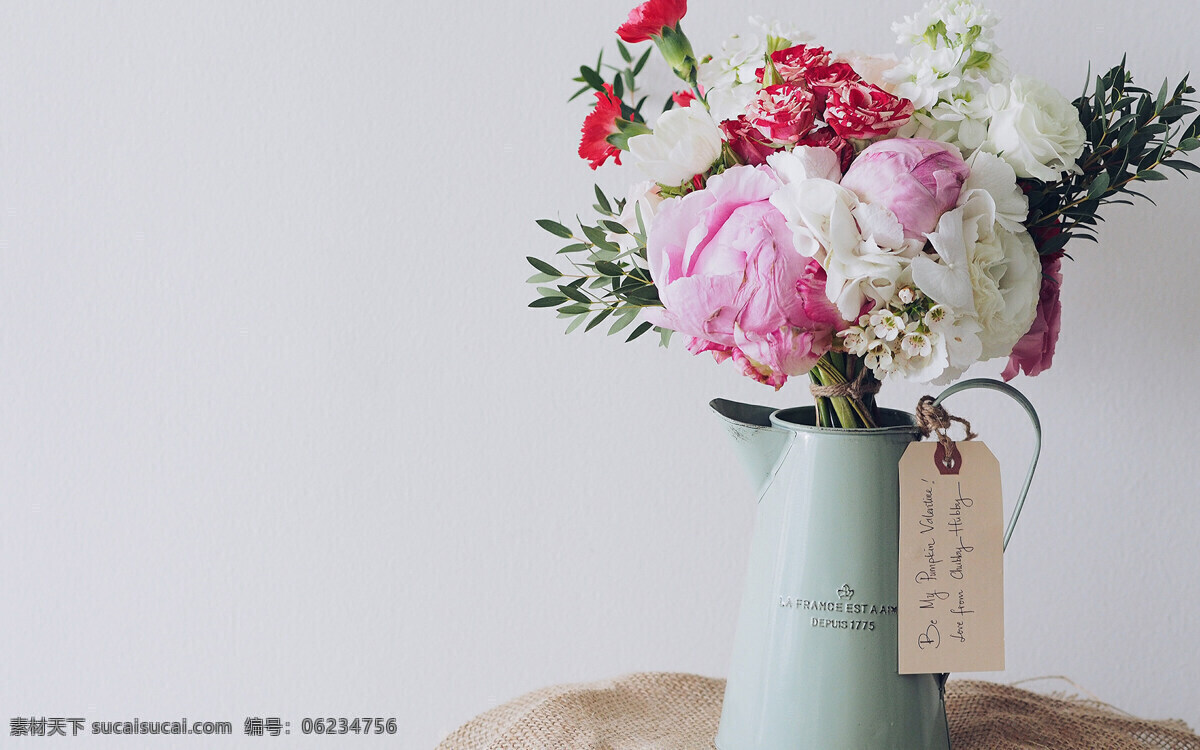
x=650, y=18
x=683, y=98
x=600, y=123
x=862, y=110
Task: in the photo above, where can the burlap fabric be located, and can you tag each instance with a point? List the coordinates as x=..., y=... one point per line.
x=655, y=711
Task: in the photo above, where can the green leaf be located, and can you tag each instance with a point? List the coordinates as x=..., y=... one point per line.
x=576, y=95
x=600, y=316
x=614, y=227
x=1162, y=98
x=1174, y=112
x=548, y=302
x=618, y=85
x=1054, y=244
x=1189, y=144
x=623, y=320
x=575, y=309
x=608, y=269
x=1181, y=166
x=540, y=278
x=602, y=200
x=1150, y=175
x=1099, y=185
x=592, y=77
x=599, y=239
x=553, y=227
x=645, y=326
x=624, y=51
x=642, y=61
x=578, y=321
x=575, y=294
x=543, y=266
x=576, y=248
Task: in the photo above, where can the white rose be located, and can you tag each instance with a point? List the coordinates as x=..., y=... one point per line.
x=870, y=67
x=1034, y=128
x=685, y=142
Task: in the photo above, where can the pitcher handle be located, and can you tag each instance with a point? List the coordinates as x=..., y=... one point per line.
x=1015, y=395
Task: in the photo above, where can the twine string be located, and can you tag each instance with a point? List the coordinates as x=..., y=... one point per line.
x=934, y=419
x=862, y=385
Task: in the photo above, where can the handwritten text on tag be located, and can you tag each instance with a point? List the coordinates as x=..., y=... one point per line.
x=951, y=607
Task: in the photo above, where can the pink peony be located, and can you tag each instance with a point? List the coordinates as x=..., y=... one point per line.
x=916, y=179
x=1035, y=351
x=728, y=275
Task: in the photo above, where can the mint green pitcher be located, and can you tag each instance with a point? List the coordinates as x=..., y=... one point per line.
x=807, y=674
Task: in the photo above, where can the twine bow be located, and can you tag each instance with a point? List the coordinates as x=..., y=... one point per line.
x=933, y=418
x=862, y=385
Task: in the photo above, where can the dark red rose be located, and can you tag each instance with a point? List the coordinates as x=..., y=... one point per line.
x=1034, y=352
x=600, y=123
x=862, y=110
x=650, y=18
x=829, y=139
x=747, y=142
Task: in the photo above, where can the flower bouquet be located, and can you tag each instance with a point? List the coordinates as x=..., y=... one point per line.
x=854, y=218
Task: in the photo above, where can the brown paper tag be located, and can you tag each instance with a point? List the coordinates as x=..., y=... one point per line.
x=951, y=607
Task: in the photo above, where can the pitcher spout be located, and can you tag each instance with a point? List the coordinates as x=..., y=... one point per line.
x=761, y=446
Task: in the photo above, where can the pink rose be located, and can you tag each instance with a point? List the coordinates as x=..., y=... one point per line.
x=728, y=275
x=1034, y=353
x=792, y=63
x=916, y=179
x=747, y=141
x=782, y=113
x=862, y=110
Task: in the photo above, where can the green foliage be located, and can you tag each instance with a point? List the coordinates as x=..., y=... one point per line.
x=1133, y=135
x=604, y=281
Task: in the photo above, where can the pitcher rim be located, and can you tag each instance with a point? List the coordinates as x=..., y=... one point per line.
x=903, y=423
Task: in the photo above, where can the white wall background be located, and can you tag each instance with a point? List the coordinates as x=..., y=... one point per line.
x=279, y=437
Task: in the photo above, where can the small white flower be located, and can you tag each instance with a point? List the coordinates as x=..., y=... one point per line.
x=905, y=295
x=879, y=359
x=916, y=344
x=856, y=340
x=937, y=316
x=886, y=325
